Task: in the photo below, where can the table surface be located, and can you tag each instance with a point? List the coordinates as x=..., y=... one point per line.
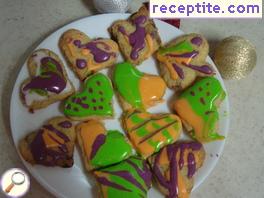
x=239, y=173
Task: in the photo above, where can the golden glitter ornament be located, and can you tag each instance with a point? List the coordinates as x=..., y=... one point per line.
x=235, y=57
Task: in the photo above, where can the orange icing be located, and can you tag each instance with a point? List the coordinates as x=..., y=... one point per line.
x=145, y=148
x=149, y=43
x=92, y=64
x=187, y=114
x=49, y=142
x=85, y=51
x=152, y=88
x=89, y=131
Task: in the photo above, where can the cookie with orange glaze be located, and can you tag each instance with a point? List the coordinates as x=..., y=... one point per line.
x=150, y=132
x=174, y=167
x=136, y=89
x=51, y=145
x=137, y=37
x=197, y=107
x=183, y=60
x=85, y=55
x=101, y=148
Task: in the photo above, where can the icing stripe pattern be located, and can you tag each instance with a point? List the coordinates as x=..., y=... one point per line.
x=150, y=132
x=130, y=178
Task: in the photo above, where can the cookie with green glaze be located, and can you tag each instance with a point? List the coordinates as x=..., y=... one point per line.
x=48, y=81
x=130, y=179
x=183, y=60
x=197, y=106
x=94, y=101
x=137, y=89
x=101, y=148
x=150, y=132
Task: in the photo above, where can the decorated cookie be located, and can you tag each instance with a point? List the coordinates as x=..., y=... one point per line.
x=128, y=179
x=101, y=148
x=87, y=56
x=174, y=167
x=183, y=59
x=47, y=82
x=137, y=37
x=137, y=89
x=197, y=107
x=51, y=145
x=93, y=102
x=150, y=132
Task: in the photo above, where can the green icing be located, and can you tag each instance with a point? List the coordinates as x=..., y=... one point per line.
x=114, y=150
x=126, y=80
x=202, y=97
x=181, y=47
x=141, y=131
x=94, y=100
x=134, y=191
x=49, y=67
x=40, y=92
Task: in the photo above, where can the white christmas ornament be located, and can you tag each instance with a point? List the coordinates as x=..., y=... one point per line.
x=108, y=6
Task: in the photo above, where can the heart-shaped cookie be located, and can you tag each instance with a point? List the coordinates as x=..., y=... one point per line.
x=51, y=145
x=101, y=148
x=174, y=167
x=197, y=107
x=183, y=60
x=93, y=102
x=130, y=179
x=137, y=37
x=150, y=132
x=48, y=81
x=137, y=89
x=86, y=55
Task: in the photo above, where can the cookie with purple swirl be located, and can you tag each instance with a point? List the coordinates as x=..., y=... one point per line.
x=86, y=55
x=137, y=36
x=48, y=81
x=51, y=145
x=183, y=60
x=174, y=168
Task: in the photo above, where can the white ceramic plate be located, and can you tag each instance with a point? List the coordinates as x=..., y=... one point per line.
x=74, y=182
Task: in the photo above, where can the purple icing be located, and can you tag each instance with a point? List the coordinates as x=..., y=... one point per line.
x=185, y=55
x=99, y=141
x=206, y=69
x=191, y=165
x=122, y=30
x=81, y=63
x=99, y=54
x=40, y=152
x=127, y=176
x=57, y=132
x=178, y=70
x=47, y=60
x=79, y=101
x=145, y=174
x=106, y=182
x=65, y=124
x=137, y=38
x=197, y=41
x=49, y=81
x=172, y=150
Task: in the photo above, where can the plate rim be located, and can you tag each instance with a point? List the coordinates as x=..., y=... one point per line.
x=38, y=177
